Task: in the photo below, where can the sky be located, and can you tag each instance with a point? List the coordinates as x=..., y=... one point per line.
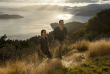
x=51, y=1
x=71, y=3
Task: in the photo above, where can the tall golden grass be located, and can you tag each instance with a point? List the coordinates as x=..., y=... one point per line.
x=99, y=48
x=31, y=65
x=82, y=45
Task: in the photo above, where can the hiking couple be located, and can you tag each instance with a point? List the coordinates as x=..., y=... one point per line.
x=59, y=34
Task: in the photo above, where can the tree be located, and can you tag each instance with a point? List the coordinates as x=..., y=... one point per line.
x=2, y=40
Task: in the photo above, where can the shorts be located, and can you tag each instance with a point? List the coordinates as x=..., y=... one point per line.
x=46, y=52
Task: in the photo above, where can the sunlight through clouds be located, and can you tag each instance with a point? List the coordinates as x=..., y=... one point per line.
x=64, y=16
x=52, y=0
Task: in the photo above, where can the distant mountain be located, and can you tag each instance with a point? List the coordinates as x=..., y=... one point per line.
x=91, y=9
x=81, y=1
x=7, y=16
x=71, y=26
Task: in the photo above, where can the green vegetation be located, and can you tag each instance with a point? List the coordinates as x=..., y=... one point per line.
x=100, y=23
x=15, y=49
x=97, y=65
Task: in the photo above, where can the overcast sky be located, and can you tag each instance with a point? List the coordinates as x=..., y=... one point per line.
x=20, y=3
x=49, y=1
x=69, y=1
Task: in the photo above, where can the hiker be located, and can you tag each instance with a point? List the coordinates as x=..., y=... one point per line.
x=59, y=34
x=43, y=49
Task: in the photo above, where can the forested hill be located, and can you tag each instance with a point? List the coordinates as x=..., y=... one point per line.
x=96, y=28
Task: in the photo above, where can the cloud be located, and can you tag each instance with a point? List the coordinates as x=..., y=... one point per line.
x=15, y=0
x=68, y=1
x=106, y=0
x=87, y=1
x=46, y=0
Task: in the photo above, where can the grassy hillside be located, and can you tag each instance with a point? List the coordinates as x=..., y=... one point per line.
x=74, y=61
x=97, y=61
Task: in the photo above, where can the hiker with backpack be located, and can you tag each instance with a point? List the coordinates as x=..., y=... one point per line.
x=43, y=49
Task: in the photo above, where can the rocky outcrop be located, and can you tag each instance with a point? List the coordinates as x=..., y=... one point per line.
x=71, y=26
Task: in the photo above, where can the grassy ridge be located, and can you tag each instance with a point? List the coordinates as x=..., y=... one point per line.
x=97, y=65
x=98, y=59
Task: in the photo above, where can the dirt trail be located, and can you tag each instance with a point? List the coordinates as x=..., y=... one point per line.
x=73, y=58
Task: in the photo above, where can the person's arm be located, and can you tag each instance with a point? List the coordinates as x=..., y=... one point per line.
x=47, y=42
x=39, y=46
x=67, y=37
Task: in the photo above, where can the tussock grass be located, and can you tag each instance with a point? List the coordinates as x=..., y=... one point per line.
x=82, y=45
x=51, y=67
x=31, y=65
x=99, y=48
